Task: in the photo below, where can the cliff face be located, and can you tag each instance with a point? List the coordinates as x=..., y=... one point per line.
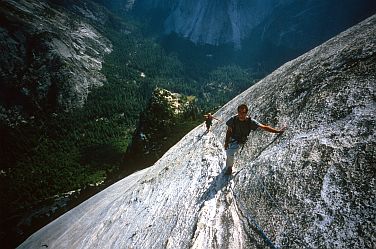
x=285, y=24
x=50, y=57
x=217, y=22
x=312, y=187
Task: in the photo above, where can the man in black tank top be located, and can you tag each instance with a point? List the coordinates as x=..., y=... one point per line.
x=238, y=129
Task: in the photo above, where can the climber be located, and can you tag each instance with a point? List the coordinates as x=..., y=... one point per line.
x=208, y=120
x=238, y=129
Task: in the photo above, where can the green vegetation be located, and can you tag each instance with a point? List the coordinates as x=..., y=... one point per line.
x=165, y=112
x=51, y=154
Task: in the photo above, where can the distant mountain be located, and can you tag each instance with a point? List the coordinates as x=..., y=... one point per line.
x=53, y=50
x=312, y=187
x=233, y=21
x=266, y=33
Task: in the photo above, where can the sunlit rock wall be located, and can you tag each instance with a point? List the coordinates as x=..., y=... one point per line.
x=312, y=187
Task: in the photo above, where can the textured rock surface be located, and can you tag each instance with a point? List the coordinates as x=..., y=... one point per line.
x=313, y=187
x=217, y=22
x=292, y=24
x=50, y=58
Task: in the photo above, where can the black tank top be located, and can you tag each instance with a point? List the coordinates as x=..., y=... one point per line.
x=241, y=129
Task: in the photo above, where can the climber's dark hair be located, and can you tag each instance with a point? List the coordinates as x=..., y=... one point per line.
x=242, y=106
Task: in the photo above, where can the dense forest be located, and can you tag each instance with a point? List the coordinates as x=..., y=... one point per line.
x=51, y=154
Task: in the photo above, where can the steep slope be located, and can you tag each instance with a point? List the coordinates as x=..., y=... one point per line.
x=50, y=57
x=313, y=187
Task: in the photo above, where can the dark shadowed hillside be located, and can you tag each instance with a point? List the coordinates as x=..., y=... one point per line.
x=312, y=187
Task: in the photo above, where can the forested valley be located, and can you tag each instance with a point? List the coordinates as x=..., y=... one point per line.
x=56, y=155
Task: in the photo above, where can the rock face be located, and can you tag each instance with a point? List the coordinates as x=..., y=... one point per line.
x=312, y=187
x=285, y=24
x=50, y=57
x=217, y=22
x=163, y=111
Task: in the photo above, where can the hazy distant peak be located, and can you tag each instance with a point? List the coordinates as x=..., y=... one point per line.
x=216, y=22
x=290, y=24
x=317, y=178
